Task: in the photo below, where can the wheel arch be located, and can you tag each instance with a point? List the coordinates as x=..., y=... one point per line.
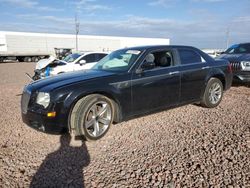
x=221, y=77
x=219, y=74
x=214, y=74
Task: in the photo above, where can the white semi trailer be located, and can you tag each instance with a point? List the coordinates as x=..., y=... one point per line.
x=28, y=47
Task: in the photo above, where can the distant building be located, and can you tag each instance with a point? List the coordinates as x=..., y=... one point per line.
x=17, y=44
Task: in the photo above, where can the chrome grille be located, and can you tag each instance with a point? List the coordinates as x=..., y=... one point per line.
x=235, y=65
x=25, y=101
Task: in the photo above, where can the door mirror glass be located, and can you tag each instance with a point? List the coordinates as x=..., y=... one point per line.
x=82, y=62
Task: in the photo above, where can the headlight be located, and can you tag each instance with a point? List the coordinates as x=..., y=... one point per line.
x=43, y=99
x=246, y=63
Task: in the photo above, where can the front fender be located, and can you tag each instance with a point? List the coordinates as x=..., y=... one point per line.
x=68, y=101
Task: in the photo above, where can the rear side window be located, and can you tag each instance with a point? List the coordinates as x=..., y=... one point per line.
x=100, y=56
x=89, y=58
x=189, y=57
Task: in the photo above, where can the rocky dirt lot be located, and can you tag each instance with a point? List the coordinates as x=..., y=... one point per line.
x=188, y=146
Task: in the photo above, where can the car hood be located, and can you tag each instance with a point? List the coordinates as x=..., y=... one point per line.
x=45, y=62
x=235, y=57
x=64, y=79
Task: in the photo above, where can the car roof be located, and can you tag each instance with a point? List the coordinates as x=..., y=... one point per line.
x=155, y=47
x=248, y=43
x=90, y=52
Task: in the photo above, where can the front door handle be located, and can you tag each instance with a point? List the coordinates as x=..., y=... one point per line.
x=207, y=67
x=175, y=72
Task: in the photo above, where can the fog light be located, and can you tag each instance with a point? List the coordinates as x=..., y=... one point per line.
x=51, y=114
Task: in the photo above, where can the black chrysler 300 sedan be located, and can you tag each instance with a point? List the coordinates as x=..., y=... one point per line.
x=126, y=83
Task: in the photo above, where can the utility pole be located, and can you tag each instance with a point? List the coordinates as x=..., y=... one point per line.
x=77, y=26
x=227, y=35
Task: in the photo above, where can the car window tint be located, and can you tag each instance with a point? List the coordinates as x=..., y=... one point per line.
x=246, y=48
x=242, y=50
x=118, y=61
x=163, y=58
x=238, y=48
x=89, y=58
x=100, y=56
x=189, y=56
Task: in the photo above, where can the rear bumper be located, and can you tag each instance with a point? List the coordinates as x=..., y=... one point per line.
x=44, y=124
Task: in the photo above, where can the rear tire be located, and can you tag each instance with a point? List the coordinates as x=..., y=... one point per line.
x=213, y=93
x=93, y=116
x=28, y=59
x=35, y=59
x=20, y=59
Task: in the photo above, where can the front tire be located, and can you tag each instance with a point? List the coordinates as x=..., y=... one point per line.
x=94, y=116
x=213, y=93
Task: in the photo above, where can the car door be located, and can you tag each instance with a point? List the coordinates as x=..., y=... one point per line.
x=193, y=69
x=155, y=88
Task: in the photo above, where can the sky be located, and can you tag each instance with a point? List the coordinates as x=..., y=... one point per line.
x=200, y=23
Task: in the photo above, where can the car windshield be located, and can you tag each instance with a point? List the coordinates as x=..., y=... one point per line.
x=118, y=61
x=238, y=49
x=72, y=57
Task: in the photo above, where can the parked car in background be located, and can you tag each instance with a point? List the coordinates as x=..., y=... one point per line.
x=126, y=83
x=72, y=62
x=239, y=57
x=213, y=52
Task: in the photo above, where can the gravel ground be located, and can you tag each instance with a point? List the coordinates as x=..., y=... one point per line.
x=188, y=146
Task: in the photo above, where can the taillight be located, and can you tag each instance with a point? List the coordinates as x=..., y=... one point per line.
x=229, y=68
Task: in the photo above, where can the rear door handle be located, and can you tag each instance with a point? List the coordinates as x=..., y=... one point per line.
x=175, y=72
x=207, y=67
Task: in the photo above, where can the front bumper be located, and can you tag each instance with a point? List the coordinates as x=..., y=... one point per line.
x=43, y=123
x=242, y=77
x=36, y=117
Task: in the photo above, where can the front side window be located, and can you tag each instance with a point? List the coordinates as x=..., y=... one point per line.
x=118, y=61
x=189, y=57
x=163, y=58
x=158, y=59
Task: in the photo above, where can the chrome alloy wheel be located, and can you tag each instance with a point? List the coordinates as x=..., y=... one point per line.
x=215, y=93
x=98, y=118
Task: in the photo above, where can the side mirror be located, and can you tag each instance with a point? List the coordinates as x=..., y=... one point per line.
x=82, y=62
x=148, y=65
x=145, y=66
